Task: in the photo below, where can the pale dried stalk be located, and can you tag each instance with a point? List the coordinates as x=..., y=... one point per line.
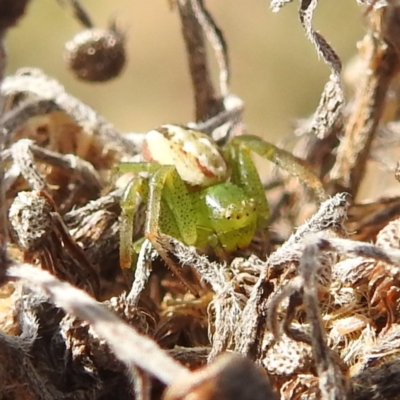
x=331, y=379
x=9, y=18
x=24, y=152
x=129, y=346
x=382, y=65
x=51, y=96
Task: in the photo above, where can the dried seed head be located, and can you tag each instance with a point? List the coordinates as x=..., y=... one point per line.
x=287, y=357
x=30, y=220
x=96, y=55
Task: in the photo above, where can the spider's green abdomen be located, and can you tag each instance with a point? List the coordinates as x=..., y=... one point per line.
x=227, y=213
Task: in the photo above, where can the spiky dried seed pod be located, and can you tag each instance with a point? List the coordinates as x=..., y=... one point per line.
x=96, y=55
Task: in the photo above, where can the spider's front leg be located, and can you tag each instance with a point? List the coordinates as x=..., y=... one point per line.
x=135, y=191
x=239, y=150
x=170, y=211
x=129, y=204
x=170, y=208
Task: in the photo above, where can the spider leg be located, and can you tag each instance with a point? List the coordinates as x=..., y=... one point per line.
x=134, y=191
x=245, y=175
x=166, y=185
x=129, y=203
x=283, y=159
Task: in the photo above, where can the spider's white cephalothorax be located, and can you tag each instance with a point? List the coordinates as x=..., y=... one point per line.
x=195, y=155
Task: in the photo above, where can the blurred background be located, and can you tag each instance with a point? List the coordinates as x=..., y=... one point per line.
x=275, y=69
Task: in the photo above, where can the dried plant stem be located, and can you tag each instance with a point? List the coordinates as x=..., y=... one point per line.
x=8, y=18
x=78, y=12
x=332, y=99
x=22, y=156
x=51, y=96
x=129, y=346
x=3, y=212
x=330, y=219
x=382, y=66
x=251, y=329
x=40, y=232
x=215, y=37
x=206, y=102
x=24, y=153
x=331, y=380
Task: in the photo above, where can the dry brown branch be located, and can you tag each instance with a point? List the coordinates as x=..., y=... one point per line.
x=217, y=41
x=380, y=67
x=207, y=103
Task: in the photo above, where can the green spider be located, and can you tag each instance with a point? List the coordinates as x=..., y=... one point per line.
x=199, y=193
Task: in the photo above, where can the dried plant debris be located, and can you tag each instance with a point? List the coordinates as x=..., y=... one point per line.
x=65, y=125
x=316, y=317
x=94, y=54
x=332, y=99
x=381, y=68
x=196, y=23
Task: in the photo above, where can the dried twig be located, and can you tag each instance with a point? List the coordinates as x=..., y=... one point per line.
x=78, y=12
x=128, y=345
x=207, y=103
x=332, y=99
x=23, y=153
x=331, y=380
x=11, y=12
x=135, y=349
x=52, y=96
x=329, y=218
x=381, y=67
x=216, y=38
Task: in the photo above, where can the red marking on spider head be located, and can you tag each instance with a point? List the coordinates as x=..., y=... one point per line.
x=204, y=170
x=146, y=153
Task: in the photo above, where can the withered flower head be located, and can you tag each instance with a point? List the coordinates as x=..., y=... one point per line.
x=96, y=55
